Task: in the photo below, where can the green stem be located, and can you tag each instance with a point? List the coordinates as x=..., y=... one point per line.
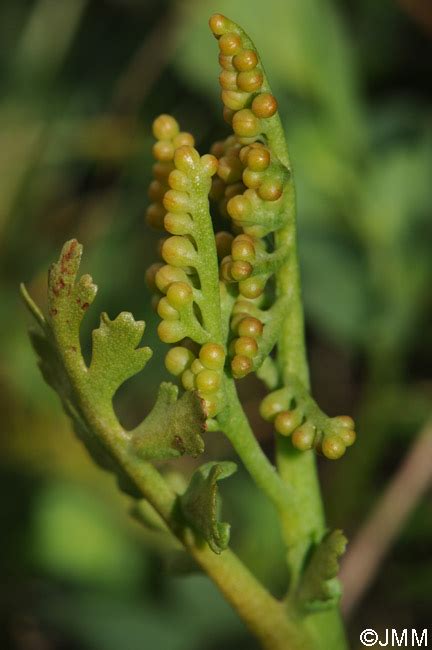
x=297, y=469
x=236, y=427
x=305, y=523
x=268, y=263
x=294, y=494
x=266, y=617
x=208, y=269
x=238, y=586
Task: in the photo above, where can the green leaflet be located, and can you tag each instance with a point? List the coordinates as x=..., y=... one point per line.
x=56, y=376
x=173, y=426
x=176, y=423
x=68, y=299
x=200, y=504
x=319, y=587
x=115, y=357
x=54, y=373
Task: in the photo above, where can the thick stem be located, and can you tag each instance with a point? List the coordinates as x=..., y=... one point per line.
x=293, y=490
x=305, y=523
x=266, y=617
x=297, y=469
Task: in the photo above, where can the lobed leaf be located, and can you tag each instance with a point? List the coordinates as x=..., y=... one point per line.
x=172, y=428
x=200, y=504
x=115, y=357
x=68, y=299
x=319, y=587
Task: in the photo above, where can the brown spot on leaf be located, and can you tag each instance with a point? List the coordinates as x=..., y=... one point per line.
x=203, y=422
x=67, y=256
x=178, y=444
x=57, y=288
x=85, y=305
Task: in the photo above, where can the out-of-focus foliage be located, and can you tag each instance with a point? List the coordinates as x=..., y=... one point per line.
x=80, y=86
x=319, y=586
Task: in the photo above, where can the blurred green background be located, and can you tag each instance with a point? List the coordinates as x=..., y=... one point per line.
x=81, y=81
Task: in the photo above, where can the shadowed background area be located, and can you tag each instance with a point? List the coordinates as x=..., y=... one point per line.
x=81, y=82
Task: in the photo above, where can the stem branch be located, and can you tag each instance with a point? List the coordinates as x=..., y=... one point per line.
x=236, y=427
x=304, y=524
x=265, y=616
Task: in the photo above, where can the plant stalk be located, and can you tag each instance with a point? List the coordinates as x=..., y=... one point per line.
x=266, y=617
x=304, y=525
x=235, y=425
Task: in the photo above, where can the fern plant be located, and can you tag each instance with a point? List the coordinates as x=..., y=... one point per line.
x=228, y=295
